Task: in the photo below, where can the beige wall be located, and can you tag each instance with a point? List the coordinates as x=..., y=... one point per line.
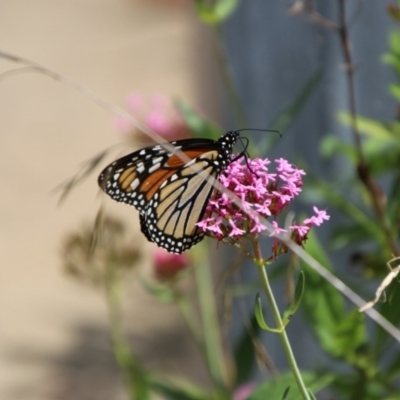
x=53, y=332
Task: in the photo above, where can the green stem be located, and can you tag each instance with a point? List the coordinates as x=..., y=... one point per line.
x=212, y=335
x=189, y=314
x=278, y=320
x=132, y=373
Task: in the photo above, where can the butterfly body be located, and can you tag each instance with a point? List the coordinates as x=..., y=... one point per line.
x=170, y=193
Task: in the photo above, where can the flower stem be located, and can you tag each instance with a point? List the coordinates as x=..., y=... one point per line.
x=212, y=335
x=278, y=320
x=189, y=316
x=133, y=375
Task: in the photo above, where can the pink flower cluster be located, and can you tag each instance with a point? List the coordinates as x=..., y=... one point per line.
x=259, y=190
x=157, y=112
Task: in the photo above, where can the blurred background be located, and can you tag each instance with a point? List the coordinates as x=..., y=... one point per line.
x=54, y=338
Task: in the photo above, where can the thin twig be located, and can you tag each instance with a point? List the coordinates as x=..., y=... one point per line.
x=376, y=193
x=385, y=283
x=300, y=6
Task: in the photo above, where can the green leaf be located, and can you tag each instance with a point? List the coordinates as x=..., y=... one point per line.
x=394, y=42
x=348, y=234
x=293, y=306
x=199, y=126
x=215, y=12
x=258, y=312
x=224, y=8
x=393, y=370
x=393, y=208
x=286, y=394
x=161, y=293
x=378, y=164
x=178, y=389
x=322, y=304
x=332, y=145
x=245, y=353
x=369, y=127
x=351, y=337
x=273, y=389
x=389, y=310
x=393, y=60
x=395, y=90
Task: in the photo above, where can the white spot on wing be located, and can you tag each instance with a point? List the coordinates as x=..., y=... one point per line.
x=140, y=168
x=155, y=167
x=135, y=184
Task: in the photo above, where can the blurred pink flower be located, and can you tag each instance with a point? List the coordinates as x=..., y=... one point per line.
x=262, y=191
x=244, y=391
x=157, y=112
x=168, y=265
x=135, y=102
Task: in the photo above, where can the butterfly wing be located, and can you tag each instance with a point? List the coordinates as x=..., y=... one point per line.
x=128, y=178
x=179, y=203
x=170, y=194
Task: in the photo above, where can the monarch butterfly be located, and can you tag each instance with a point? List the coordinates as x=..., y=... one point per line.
x=169, y=193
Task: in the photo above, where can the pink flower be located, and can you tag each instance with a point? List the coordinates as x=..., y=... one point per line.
x=168, y=265
x=158, y=112
x=244, y=391
x=135, y=102
x=318, y=219
x=262, y=194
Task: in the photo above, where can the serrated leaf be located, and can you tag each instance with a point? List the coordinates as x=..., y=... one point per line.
x=199, y=126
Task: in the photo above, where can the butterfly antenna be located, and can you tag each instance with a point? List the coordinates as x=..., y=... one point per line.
x=244, y=154
x=260, y=130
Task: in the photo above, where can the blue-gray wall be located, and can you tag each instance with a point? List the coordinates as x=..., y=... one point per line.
x=272, y=54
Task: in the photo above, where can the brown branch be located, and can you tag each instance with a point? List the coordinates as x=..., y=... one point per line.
x=306, y=5
x=377, y=195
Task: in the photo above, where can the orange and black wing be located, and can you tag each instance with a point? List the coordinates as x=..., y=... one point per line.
x=134, y=179
x=170, y=194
